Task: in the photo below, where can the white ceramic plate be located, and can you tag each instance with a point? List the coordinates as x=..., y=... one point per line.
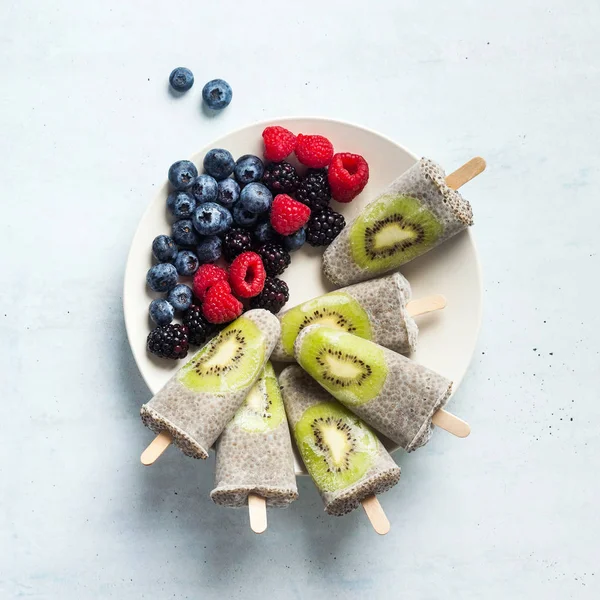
x=447, y=338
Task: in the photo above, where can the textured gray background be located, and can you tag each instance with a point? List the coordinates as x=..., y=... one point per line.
x=87, y=131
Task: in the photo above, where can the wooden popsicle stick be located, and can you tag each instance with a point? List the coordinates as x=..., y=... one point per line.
x=465, y=173
x=451, y=423
x=376, y=515
x=425, y=305
x=257, y=508
x=157, y=446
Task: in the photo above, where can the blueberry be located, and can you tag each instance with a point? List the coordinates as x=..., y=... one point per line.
x=217, y=94
x=205, y=189
x=183, y=233
x=181, y=204
x=164, y=248
x=186, y=263
x=219, y=163
x=181, y=79
x=256, y=198
x=229, y=192
x=264, y=233
x=161, y=312
x=209, y=249
x=182, y=174
x=248, y=168
x=243, y=217
x=211, y=219
x=294, y=241
x=180, y=297
x=162, y=277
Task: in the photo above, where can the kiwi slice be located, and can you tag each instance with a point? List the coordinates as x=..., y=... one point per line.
x=228, y=362
x=351, y=369
x=392, y=231
x=337, y=310
x=336, y=446
x=263, y=408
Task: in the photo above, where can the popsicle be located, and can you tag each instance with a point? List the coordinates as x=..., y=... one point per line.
x=195, y=405
x=254, y=452
x=393, y=394
x=417, y=212
x=345, y=459
x=380, y=310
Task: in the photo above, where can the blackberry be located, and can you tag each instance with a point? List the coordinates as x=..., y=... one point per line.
x=281, y=178
x=276, y=259
x=273, y=296
x=168, y=341
x=314, y=190
x=323, y=227
x=199, y=329
x=236, y=241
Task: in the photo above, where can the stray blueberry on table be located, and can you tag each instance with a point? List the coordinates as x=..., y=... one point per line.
x=180, y=297
x=208, y=249
x=161, y=311
x=182, y=174
x=217, y=94
x=219, y=163
x=183, y=233
x=242, y=217
x=211, y=219
x=256, y=198
x=186, y=263
x=248, y=168
x=205, y=189
x=162, y=277
x=181, y=204
x=181, y=79
x=228, y=192
x=164, y=248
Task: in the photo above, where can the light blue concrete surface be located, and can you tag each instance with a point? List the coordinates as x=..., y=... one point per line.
x=87, y=130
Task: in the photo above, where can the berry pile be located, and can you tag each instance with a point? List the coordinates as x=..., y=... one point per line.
x=234, y=226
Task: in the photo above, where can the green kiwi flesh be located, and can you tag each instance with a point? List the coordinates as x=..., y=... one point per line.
x=392, y=231
x=351, y=369
x=263, y=409
x=336, y=446
x=337, y=310
x=228, y=362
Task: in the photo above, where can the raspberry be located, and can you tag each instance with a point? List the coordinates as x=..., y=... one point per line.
x=348, y=175
x=199, y=329
x=281, y=178
x=314, y=190
x=247, y=275
x=324, y=227
x=236, y=241
x=273, y=297
x=279, y=143
x=314, y=151
x=168, y=341
x=220, y=305
x=206, y=276
x=276, y=259
x=288, y=215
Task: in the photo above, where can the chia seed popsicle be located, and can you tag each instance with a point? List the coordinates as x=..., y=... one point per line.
x=254, y=452
x=374, y=310
x=417, y=212
x=343, y=456
x=196, y=404
x=393, y=394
